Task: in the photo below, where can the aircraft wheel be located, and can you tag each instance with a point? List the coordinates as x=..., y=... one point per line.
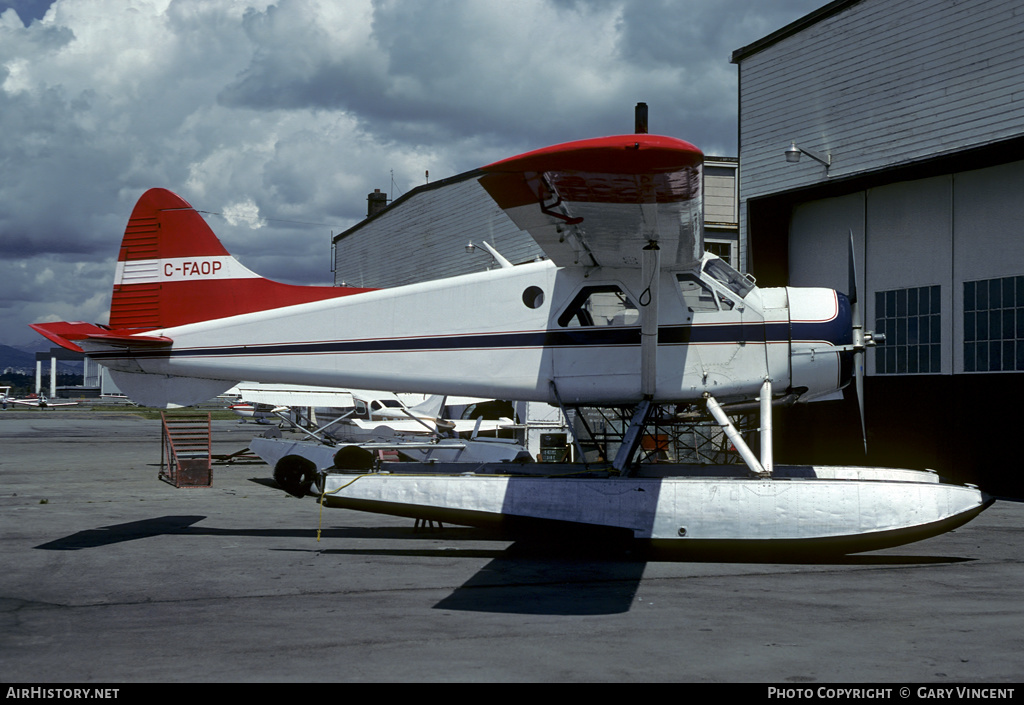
x=294, y=475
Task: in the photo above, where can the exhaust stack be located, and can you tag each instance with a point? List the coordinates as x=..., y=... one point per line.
x=641, y=119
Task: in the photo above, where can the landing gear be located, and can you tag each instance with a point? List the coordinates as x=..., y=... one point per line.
x=703, y=434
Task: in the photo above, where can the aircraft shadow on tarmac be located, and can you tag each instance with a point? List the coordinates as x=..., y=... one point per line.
x=534, y=574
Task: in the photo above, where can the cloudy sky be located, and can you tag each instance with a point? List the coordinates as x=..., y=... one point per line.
x=277, y=118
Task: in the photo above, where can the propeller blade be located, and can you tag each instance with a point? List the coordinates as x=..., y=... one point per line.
x=858, y=341
x=858, y=375
x=851, y=290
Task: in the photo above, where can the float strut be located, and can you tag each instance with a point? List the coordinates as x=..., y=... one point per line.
x=766, y=427
x=737, y=440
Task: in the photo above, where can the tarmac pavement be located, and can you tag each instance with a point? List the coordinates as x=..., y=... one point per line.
x=110, y=575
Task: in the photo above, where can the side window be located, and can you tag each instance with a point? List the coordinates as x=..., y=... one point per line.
x=604, y=305
x=697, y=295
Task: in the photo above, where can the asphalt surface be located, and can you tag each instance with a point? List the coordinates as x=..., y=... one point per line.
x=110, y=575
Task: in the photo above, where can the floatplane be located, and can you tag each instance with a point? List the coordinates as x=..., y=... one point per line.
x=625, y=311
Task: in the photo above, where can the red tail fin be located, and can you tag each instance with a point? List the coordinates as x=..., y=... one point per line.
x=173, y=270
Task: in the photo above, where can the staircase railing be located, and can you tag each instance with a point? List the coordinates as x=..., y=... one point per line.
x=185, y=450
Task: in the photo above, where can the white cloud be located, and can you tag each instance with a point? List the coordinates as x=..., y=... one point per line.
x=245, y=213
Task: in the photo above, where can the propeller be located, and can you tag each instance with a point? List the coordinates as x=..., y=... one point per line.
x=862, y=340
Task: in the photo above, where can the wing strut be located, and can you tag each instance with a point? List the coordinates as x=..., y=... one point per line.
x=650, y=271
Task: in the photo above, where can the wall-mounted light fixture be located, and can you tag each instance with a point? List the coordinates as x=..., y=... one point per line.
x=495, y=255
x=794, y=152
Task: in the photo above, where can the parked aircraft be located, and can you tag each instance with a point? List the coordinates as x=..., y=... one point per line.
x=627, y=311
x=368, y=426
x=348, y=413
x=259, y=413
x=38, y=401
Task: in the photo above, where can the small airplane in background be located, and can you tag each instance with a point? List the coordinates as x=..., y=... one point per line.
x=259, y=413
x=627, y=311
x=37, y=401
x=357, y=412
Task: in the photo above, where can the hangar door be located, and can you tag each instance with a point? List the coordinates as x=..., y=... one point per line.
x=940, y=264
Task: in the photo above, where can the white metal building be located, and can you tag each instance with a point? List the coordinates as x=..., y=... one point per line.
x=721, y=208
x=909, y=118
x=423, y=236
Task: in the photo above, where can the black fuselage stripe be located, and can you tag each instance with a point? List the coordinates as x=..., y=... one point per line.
x=770, y=333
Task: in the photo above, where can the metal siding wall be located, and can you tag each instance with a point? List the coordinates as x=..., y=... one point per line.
x=425, y=238
x=719, y=197
x=881, y=83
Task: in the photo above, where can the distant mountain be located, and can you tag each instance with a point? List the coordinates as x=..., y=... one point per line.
x=26, y=361
x=12, y=357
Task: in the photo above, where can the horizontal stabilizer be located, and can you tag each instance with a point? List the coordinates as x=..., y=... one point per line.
x=430, y=408
x=65, y=334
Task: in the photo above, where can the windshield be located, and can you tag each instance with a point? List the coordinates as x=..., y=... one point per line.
x=729, y=277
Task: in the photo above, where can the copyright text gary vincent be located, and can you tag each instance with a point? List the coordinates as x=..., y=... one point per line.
x=904, y=692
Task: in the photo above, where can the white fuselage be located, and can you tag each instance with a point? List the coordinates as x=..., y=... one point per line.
x=512, y=332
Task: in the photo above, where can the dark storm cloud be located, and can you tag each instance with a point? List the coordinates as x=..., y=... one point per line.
x=28, y=10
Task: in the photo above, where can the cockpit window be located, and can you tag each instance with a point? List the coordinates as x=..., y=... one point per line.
x=602, y=305
x=728, y=277
x=697, y=295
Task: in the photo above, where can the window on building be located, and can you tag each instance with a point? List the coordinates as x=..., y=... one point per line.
x=911, y=321
x=722, y=248
x=994, y=325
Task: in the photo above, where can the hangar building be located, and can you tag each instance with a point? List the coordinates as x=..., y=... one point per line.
x=908, y=119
